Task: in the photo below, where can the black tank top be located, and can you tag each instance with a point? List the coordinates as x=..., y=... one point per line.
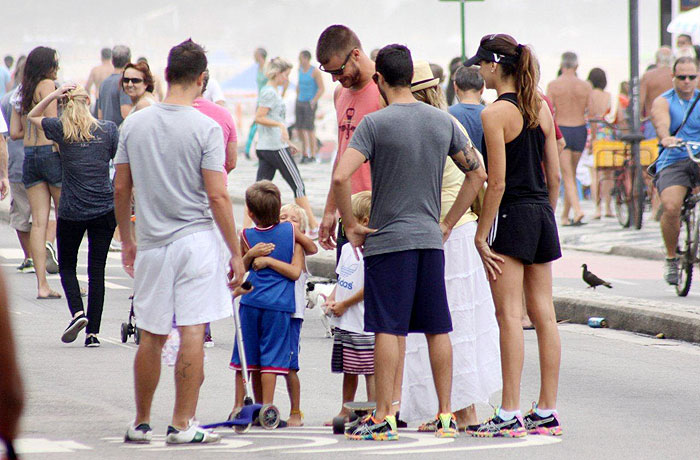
x=525, y=181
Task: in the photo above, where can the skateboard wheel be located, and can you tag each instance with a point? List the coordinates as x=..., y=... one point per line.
x=242, y=429
x=269, y=417
x=125, y=332
x=137, y=335
x=338, y=425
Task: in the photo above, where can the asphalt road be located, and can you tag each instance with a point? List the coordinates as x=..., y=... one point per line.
x=621, y=395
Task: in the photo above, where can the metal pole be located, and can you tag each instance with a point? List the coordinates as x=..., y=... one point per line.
x=464, y=38
x=635, y=135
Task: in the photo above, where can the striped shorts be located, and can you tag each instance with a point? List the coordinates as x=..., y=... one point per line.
x=353, y=353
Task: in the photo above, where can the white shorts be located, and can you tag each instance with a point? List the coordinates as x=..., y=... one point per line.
x=185, y=279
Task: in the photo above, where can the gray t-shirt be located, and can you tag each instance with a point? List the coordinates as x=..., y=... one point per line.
x=406, y=145
x=270, y=137
x=15, y=149
x=167, y=146
x=112, y=97
x=86, y=189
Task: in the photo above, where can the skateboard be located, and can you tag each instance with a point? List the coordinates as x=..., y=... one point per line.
x=357, y=409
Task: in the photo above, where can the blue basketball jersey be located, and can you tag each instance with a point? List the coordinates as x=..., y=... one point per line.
x=272, y=291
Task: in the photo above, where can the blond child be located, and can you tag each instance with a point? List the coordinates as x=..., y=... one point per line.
x=353, y=348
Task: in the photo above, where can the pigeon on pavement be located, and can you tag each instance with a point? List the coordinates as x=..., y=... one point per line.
x=592, y=280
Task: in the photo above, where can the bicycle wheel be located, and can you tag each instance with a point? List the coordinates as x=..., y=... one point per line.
x=620, y=195
x=686, y=253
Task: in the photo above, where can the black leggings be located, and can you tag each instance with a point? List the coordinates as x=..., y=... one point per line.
x=271, y=161
x=69, y=235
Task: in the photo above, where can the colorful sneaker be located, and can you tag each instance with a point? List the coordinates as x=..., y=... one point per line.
x=27, y=266
x=141, y=434
x=534, y=424
x=208, y=341
x=497, y=427
x=194, y=434
x=429, y=427
x=371, y=429
x=446, y=426
x=51, y=260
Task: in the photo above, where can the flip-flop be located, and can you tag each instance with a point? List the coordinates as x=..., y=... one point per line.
x=52, y=295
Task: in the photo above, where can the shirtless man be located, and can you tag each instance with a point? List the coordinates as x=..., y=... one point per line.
x=654, y=82
x=99, y=73
x=571, y=97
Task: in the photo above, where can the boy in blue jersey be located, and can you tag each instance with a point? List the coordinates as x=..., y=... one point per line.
x=275, y=262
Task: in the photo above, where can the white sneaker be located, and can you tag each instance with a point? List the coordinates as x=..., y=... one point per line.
x=141, y=434
x=192, y=435
x=115, y=246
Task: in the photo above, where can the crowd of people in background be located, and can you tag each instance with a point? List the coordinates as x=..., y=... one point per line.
x=475, y=260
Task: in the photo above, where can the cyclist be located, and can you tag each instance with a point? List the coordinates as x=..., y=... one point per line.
x=675, y=118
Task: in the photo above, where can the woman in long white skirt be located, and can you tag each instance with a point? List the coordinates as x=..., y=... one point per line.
x=476, y=363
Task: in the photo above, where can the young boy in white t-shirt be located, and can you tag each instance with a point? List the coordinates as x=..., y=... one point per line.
x=353, y=348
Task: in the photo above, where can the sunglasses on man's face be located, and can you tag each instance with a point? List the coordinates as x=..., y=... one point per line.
x=125, y=81
x=686, y=77
x=341, y=69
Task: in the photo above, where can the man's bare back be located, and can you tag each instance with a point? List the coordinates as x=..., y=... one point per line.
x=571, y=97
x=97, y=76
x=653, y=83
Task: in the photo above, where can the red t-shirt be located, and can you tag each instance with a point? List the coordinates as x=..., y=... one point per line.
x=351, y=106
x=551, y=109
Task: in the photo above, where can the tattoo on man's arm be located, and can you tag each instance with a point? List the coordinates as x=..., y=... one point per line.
x=468, y=162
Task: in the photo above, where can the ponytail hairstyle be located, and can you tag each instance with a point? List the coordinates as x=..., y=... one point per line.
x=524, y=70
x=78, y=123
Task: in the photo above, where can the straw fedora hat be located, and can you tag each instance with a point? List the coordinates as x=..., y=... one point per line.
x=422, y=76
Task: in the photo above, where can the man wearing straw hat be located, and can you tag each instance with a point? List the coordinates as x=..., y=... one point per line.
x=406, y=144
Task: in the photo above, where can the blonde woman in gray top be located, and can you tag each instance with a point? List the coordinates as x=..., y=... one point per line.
x=274, y=149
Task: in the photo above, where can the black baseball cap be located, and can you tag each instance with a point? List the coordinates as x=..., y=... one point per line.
x=483, y=54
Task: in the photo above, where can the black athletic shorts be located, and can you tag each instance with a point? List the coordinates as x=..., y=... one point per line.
x=405, y=292
x=527, y=232
x=685, y=173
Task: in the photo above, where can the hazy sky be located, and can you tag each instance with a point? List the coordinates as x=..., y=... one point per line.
x=596, y=29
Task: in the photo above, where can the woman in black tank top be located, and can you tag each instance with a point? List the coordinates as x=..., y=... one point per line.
x=517, y=235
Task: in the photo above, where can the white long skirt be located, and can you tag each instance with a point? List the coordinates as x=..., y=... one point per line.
x=476, y=362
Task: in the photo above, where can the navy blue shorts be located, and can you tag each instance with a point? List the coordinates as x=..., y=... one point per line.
x=266, y=340
x=405, y=292
x=41, y=164
x=575, y=137
x=294, y=334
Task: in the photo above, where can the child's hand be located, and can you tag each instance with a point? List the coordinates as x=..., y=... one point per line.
x=261, y=249
x=261, y=262
x=338, y=308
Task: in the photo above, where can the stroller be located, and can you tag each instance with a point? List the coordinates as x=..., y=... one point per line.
x=129, y=328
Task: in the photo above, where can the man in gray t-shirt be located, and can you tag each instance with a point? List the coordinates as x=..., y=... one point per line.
x=173, y=156
x=113, y=104
x=407, y=145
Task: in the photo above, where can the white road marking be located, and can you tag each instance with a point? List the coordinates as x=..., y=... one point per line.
x=421, y=441
x=117, y=342
x=46, y=446
x=109, y=285
x=528, y=441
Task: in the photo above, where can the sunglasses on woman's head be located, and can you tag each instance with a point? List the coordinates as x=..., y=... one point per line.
x=686, y=77
x=135, y=81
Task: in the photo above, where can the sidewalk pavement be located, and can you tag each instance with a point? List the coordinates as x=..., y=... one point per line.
x=603, y=236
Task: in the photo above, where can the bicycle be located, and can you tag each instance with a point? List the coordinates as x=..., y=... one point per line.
x=630, y=190
x=688, y=238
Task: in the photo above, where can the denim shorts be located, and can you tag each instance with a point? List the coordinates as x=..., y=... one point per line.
x=41, y=164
